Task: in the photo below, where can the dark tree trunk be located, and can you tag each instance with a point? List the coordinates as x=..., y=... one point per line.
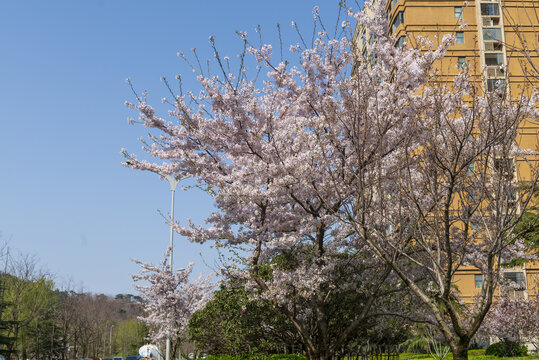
x=460, y=351
x=318, y=354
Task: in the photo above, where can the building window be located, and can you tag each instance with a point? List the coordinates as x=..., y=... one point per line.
x=516, y=277
x=461, y=62
x=401, y=42
x=504, y=166
x=493, y=59
x=494, y=84
x=471, y=169
x=458, y=12
x=490, y=10
x=512, y=196
x=492, y=34
x=389, y=229
x=460, y=37
x=478, y=281
x=399, y=19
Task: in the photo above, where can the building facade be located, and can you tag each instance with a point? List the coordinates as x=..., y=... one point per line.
x=498, y=42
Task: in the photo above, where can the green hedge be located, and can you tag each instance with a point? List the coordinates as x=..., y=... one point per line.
x=478, y=354
x=257, y=357
x=472, y=355
x=506, y=348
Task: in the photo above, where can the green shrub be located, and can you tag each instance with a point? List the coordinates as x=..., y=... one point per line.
x=506, y=348
x=258, y=357
x=496, y=349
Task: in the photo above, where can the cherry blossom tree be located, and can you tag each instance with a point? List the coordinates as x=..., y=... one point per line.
x=336, y=184
x=170, y=299
x=514, y=317
x=261, y=153
x=448, y=192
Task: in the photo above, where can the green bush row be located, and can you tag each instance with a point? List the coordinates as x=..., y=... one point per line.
x=480, y=354
x=258, y=357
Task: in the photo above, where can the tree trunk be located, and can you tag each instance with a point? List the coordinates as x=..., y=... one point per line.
x=318, y=355
x=460, y=351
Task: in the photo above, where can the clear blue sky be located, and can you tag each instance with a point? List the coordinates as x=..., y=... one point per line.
x=64, y=196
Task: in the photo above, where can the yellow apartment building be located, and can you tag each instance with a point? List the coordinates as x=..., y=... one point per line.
x=491, y=41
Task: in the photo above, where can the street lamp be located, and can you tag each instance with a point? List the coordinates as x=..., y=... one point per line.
x=173, y=183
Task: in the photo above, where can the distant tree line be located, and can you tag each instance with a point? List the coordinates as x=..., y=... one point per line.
x=40, y=321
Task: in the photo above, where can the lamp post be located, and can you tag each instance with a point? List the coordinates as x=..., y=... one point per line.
x=173, y=183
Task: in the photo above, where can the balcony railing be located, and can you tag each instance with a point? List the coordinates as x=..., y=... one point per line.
x=495, y=72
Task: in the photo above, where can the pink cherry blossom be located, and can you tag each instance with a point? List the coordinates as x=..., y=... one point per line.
x=170, y=298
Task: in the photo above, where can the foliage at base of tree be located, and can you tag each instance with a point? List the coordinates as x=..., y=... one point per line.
x=507, y=348
x=231, y=324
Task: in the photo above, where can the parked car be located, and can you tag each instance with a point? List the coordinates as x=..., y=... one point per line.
x=118, y=358
x=132, y=357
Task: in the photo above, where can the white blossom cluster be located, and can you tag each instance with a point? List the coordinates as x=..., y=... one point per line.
x=170, y=298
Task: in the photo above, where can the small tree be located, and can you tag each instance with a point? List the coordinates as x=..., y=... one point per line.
x=170, y=299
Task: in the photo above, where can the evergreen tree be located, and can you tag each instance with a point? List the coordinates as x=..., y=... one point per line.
x=6, y=334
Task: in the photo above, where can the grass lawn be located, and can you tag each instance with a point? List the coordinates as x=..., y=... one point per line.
x=472, y=355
